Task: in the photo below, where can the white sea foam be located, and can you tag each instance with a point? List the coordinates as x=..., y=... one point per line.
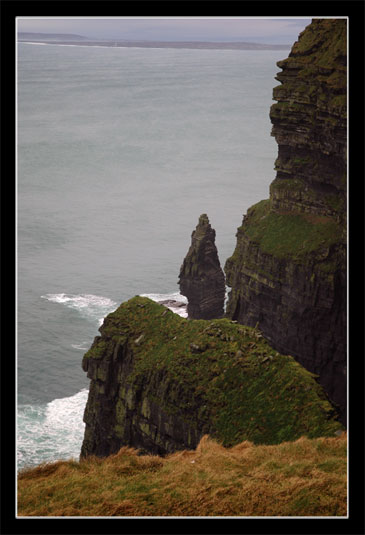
x=181, y=306
x=83, y=346
x=90, y=306
x=50, y=432
x=177, y=305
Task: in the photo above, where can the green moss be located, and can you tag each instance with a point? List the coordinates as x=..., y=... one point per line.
x=309, y=71
x=258, y=273
x=290, y=111
x=98, y=350
x=236, y=382
x=301, y=161
x=287, y=184
x=324, y=40
x=314, y=72
x=287, y=235
x=336, y=201
x=339, y=101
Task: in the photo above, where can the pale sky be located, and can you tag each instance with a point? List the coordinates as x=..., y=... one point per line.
x=259, y=29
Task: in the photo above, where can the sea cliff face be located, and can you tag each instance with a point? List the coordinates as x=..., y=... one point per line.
x=159, y=382
x=288, y=271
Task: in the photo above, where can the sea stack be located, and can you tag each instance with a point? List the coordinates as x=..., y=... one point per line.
x=201, y=277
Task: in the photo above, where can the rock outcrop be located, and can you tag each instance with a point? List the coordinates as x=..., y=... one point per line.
x=288, y=271
x=159, y=382
x=201, y=277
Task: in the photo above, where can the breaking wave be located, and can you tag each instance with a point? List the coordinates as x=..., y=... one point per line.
x=90, y=306
x=52, y=431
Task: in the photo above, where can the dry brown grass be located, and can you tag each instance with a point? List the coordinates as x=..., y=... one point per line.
x=302, y=478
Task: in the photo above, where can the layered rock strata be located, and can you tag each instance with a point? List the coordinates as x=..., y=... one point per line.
x=288, y=271
x=201, y=277
x=159, y=382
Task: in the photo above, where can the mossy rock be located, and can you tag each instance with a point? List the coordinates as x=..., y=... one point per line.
x=216, y=375
x=289, y=235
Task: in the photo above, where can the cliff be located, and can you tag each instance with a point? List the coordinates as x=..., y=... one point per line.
x=159, y=382
x=201, y=277
x=288, y=271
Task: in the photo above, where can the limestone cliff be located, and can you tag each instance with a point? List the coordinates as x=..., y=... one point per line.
x=201, y=277
x=288, y=271
x=159, y=382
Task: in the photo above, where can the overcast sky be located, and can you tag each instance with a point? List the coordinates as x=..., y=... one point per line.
x=259, y=30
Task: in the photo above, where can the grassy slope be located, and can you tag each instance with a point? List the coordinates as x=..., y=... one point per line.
x=302, y=478
x=291, y=235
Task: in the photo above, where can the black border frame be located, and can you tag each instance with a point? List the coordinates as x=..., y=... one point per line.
x=355, y=11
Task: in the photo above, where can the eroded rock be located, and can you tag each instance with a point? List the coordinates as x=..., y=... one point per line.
x=288, y=271
x=164, y=394
x=201, y=277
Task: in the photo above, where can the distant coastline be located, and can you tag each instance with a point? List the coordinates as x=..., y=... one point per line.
x=79, y=40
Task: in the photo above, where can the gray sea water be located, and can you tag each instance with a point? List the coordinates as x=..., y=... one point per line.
x=119, y=150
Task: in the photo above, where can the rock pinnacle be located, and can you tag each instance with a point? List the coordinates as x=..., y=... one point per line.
x=201, y=277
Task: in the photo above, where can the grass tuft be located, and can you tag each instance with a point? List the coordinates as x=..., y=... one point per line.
x=302, y=478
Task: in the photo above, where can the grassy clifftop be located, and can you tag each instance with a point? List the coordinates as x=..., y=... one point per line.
x=301, y=478
x=290, y=234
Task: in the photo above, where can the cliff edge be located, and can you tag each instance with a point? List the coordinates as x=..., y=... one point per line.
x=159, y=382
x=288, y=271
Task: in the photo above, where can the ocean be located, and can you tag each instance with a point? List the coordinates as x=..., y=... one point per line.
x=119, y=151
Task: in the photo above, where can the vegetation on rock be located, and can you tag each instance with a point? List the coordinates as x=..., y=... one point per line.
x=288, y=271
x=289, y=234
x=160, y=382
